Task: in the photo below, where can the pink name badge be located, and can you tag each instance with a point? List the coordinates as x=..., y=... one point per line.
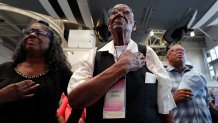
x=114, y=105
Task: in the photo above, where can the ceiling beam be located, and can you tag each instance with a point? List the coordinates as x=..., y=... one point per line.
x=147, y=16
x=4, y=28
x=9, y=43
x=10, y=22
x=67, y=10
x=13, y=39
x=86, y=14
x=48, y=7
x=207, y=16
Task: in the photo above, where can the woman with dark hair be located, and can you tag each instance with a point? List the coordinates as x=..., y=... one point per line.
x=31, y=85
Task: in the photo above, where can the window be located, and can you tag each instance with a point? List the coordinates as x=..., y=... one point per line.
x=208, y=57
x=216, y=49
x=211, y=68
x=212, y=73
x=213, y=54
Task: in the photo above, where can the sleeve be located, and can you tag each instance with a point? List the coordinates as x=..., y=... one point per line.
x=165, y=98
x=208, y=96
x=84, y=72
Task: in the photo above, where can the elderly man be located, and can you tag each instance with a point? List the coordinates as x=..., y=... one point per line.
x=189, y=89
x=117, y=83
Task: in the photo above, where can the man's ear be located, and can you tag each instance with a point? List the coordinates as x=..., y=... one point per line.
x=134, y=27
x=167, y=57
x=109, y=28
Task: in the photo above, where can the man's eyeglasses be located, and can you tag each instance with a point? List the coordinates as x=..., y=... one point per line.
x=36, y=32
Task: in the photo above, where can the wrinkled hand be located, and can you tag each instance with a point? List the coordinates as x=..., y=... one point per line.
x=132, y=61
x=18, y=90
x=182, y=95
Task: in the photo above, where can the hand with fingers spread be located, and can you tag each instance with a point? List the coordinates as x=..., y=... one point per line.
x=132, y=61
x=182, y=95
x=17, y=91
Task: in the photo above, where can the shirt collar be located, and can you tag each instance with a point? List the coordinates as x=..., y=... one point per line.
x=171, y=68
x=132, y=47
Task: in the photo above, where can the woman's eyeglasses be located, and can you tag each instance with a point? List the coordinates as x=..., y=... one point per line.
x=36, y=32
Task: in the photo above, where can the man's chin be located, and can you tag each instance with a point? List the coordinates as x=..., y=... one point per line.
x=119, y=28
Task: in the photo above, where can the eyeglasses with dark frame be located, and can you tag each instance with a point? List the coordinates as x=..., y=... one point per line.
x=36, y=32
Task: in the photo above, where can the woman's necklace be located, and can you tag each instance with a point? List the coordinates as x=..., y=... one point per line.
x=30, y=77
x=28, y=71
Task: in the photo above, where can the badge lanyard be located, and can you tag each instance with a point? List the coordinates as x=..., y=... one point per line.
x=115, y=99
